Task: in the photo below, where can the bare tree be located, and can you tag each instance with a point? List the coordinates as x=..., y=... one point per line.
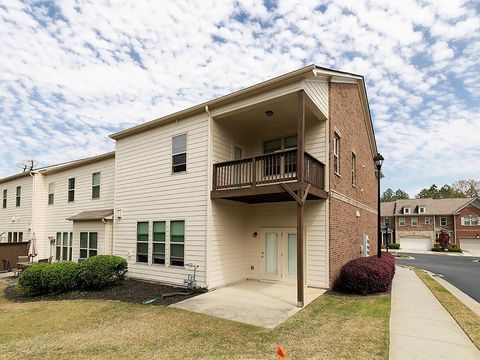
x=469, y=187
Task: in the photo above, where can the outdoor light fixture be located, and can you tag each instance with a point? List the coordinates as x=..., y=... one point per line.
x=269, y=113
x=378, y=164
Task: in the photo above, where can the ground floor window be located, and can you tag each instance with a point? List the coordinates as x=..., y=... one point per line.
x=63, y=246
x=161, y=242
x=15, y=236
x=88, y=244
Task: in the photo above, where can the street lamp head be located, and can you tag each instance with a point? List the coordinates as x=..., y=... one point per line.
x=378, y=160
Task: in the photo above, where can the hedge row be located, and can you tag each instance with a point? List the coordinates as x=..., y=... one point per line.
x=96, y=272
x=367, y=275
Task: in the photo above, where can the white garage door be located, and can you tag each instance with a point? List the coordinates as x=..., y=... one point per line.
x=417, y=243
x=470, y=244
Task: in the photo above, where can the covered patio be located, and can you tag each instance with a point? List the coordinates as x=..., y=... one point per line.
x=252, y=302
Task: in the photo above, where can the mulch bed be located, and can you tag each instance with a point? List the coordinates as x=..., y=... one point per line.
x=130, y=290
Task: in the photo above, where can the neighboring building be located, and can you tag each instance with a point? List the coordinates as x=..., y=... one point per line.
x=248, y=186
x=415, y=224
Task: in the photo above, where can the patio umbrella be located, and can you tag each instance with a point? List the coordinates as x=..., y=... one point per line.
x=32, y=247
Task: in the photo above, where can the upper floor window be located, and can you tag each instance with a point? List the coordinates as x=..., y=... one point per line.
x=336, y=153
x=18, y=196
x=51, y=193
x=354, y=169
x=96, y=185
x=401, y=221
x=427, y=221
x=443, y=221
x=179, y=153
x=421, y=210
x=470, y=221
x=4, y=203
x=71, y=189
x=414, y=221
x=406, y=210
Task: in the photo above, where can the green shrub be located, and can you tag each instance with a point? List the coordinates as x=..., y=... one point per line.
x=454, y=248
x=100, y=271
x=394, y=246
x=49, y=278
x=437, y=247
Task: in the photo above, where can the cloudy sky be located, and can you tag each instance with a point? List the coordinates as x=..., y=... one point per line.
x=73, y=72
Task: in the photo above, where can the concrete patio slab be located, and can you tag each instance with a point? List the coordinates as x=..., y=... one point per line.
x=8, y=278
x=252, y=302
x=420, y=327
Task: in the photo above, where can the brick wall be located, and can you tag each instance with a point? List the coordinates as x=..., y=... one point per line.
x=466, y=232
x=346, y=229
x=420, y=220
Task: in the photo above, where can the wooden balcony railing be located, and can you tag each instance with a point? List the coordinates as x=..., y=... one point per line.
x=266, y=169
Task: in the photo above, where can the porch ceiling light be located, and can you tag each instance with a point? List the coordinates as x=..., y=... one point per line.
x=269, y=113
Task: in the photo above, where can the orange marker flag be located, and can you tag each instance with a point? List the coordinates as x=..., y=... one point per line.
x=281, y=352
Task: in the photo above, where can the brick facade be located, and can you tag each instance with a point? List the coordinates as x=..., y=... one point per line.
x=467, y=232
x=345, y=227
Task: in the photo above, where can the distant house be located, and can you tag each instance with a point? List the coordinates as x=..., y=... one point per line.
x=248, y=186
x=416, y=223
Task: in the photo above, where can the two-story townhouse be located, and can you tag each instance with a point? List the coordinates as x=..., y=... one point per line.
x=67, y=207
x=275, y=182
x=418, y=222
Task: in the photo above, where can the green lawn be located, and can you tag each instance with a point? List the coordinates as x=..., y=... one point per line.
x=332, y=327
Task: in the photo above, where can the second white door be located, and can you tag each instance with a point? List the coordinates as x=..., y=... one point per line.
x=279, y=254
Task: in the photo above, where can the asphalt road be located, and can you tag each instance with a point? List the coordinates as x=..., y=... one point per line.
x=461, y=271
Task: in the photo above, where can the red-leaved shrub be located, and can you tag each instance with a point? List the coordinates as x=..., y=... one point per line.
x=367, y=275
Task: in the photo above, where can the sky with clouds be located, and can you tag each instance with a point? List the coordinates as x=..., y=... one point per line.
x=73, y=72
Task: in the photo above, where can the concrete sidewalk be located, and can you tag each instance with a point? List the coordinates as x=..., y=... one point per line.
x=420, y=327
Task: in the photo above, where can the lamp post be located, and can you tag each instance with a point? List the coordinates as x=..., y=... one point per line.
x=386, y=237
x=378, y=164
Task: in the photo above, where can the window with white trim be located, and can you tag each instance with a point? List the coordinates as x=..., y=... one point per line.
x=4, y=204
x=18, y=196
x=336, y=153
x=158, y=252
x=63, y=246
x=71, y=189
x=421, y=210
x=142, y=241
x=179, y=153
x=51, y=193
x=88, y=244
x=414, y=221
x=470, y=221
x=427, y=221
x=401, y=221
x=177, y=243
x=15, y=236
x=443, y=221
x=406, y=210
x=96, y=185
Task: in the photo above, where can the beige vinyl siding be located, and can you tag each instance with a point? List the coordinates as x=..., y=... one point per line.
x=40, y=190
x=228, y=255
x=56, y=214
x=146, y=190
x=283, y=215
x=317, y=90
x=22, y=213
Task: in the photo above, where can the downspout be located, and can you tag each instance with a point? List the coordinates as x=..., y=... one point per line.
x=209, y=201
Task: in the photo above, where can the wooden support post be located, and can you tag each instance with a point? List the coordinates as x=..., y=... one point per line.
x=300, y=207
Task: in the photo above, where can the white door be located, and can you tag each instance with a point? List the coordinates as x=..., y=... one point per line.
x=470, y=245
x=279, y=255
x=271, y=254
x=415, y=243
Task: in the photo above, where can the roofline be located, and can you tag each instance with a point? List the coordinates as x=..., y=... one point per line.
x=290, y=76
x=16, y=176
x=76, y=163
x=471, y=200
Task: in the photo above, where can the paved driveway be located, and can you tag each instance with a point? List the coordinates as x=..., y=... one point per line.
x=461, y=271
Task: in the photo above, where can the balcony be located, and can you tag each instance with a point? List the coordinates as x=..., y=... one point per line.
x=268, y=178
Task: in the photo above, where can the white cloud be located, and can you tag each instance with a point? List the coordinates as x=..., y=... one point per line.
x=73, y=74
